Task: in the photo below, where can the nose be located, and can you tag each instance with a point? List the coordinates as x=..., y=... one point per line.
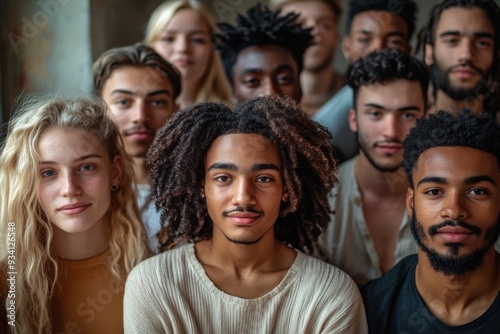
x=139, y=113
x=181, y=44
x=268, y=88
x=376, y=45
x=465, y=51
x=391, y=127
x=243, y=195
x=453, y=206
x=69, y=184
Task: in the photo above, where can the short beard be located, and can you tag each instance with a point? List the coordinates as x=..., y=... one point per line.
x=454, y=264
x=372, y=161
x=441, y=81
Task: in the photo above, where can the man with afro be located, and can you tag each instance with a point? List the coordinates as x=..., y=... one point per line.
x=247, y=188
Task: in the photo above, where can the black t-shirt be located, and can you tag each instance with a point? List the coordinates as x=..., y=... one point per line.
x=393, y=305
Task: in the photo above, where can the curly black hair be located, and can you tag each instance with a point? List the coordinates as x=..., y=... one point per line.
x=261, y=26
x=478, y=131
x=385, y=66
x=406, y=9
x=176, y=159
x=492, y=11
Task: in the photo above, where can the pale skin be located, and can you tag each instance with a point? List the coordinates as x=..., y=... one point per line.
x=456, y=300
x=240, y=174
x=462, y=36
x=75, y=191
x=382, y=124
x=318, y=75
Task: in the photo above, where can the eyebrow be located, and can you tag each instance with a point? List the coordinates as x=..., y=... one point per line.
x=468, y=181
x=83, y=157
x=234, y=168
x=279, y=68
x=458, y=33
x=406, y=108
x=390, y=34
x=129, y=92
x=191, y=32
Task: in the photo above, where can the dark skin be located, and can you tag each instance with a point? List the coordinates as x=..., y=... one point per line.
x=265, y=70
x=457, y=184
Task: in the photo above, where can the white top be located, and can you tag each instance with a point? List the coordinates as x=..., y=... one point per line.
x=150, y=216
x=171, y=293
x=347, y=240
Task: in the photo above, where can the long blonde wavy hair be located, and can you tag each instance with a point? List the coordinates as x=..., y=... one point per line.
x=214, y=86
x=35, y=261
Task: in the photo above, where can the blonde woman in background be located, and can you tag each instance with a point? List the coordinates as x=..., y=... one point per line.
x=69, y=221
x=180, y=31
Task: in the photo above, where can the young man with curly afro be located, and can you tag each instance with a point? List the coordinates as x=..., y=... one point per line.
x=247, y=188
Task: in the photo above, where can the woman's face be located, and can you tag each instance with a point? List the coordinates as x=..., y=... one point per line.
x=186, y=44
x=76, y=175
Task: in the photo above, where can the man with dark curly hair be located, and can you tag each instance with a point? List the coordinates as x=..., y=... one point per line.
x=263, y=53
x=462, y=50
x=371, y=25
x=453, y=284
x=247, y=188
x=370, y=231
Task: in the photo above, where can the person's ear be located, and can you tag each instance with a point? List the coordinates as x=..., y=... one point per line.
x=284, y=195
x=116, y=172
x=409, y=201
x=346, y=47
x=429, y=54
x=353, y=122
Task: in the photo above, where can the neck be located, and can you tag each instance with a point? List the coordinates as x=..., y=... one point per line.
x=385, y=184
x=141, y=171
x=457, y=300
x=82, y=245
x=241, y=259
x=444, y=102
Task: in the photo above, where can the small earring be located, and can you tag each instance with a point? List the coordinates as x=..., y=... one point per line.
x=284, y=198
x=114, y=187
x=202, y=195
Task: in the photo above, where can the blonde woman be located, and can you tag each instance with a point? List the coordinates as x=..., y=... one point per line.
x=180, y=31
x=69, y=221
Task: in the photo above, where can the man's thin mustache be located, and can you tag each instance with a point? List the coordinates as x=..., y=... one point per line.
x=433, y=230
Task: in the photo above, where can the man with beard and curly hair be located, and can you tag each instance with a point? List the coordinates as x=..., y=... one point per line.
x=462, y=49
x=247, y=188
x=453, y=283
x=263, y=53
x=369, y=231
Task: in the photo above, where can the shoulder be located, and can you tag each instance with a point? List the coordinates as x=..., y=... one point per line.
x=161, y=266
x=324, y=277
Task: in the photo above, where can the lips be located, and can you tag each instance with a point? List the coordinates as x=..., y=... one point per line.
x=464, y=74
x=243, y=218
x=454, y=234
x=182, y=62
x=141, y=135
x=73, y=209
x=390, y=148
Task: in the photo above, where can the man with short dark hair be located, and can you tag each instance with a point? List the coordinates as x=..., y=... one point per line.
x=263, y=53
x=370, y=25
x=369, y=231
x=462, y=49
x=140, y=89
x=452, y=285
x=248, y=188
